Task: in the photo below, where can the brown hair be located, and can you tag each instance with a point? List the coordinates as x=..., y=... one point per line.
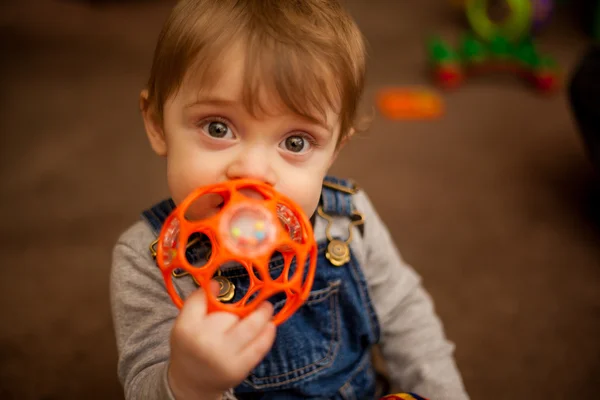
x=309, y=51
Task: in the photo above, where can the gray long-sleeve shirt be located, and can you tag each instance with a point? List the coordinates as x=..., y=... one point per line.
x=418, y=356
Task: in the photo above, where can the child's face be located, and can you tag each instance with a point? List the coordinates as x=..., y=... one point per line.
x=208, y=136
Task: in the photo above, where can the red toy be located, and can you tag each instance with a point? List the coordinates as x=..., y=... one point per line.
x=475, y=57
x=247, y=231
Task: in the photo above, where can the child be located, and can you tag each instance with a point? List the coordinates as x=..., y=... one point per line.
x=268, y=89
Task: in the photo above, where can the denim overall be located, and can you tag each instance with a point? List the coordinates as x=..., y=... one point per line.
x=324, y=350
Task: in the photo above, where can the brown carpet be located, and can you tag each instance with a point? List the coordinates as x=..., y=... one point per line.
x=492, y=204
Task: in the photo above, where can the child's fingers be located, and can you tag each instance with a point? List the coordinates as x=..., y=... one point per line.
x=250, y=327
x=195, y=305
x=220, y=322
x=255, y=351
x=215, y=287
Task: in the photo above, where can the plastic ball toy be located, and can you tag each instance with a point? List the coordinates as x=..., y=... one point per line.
x=246, y=230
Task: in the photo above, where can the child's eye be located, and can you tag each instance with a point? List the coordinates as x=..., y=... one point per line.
x=217, y=129
x=297, y=144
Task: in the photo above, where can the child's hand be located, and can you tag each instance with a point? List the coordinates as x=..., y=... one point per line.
x=211, y=353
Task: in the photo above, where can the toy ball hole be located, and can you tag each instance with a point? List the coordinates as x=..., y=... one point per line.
x=278, y=300
x=242, y=282
x=234, y=266
x=205, y=207
x=498, y=10
x=276, y=266
x=289, y=265
x=305, y=274
x=198, y=249
x=252, y=193
x=257, y=274
x=252, y=297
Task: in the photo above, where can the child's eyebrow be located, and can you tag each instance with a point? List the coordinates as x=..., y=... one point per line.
x=212, y=100
x=318, y=121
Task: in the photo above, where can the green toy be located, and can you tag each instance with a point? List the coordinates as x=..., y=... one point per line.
x=505, y=46
x=475, y=56
x=513, y=28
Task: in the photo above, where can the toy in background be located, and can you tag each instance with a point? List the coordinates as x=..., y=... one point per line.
x=505, y=46
x=251, y=224
x=403, y=396
x=409, y=103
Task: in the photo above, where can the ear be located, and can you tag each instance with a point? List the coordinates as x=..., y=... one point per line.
x=153, y=125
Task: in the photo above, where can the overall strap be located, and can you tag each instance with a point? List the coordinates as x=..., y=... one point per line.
x=156, y=215
x=336, y=196
x=336, y=199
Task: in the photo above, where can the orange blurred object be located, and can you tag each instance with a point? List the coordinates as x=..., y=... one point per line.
x=403, y=396
x=247, y=230
x=410, y=103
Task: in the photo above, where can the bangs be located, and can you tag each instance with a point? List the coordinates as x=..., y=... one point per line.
x=275, y=75
x=294, y=57
x=300, y=79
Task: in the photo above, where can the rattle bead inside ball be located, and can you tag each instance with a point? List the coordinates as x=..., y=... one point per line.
x=290, y=222
x=248, y=229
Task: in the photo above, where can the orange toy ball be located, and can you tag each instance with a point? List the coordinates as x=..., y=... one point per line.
x=246, y=230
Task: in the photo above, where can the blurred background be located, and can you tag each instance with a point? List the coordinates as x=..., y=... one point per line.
x=494, y=203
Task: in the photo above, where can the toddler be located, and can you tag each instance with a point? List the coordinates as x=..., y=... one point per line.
x=269, y=89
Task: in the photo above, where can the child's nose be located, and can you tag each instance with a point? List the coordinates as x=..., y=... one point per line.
x=252, y=164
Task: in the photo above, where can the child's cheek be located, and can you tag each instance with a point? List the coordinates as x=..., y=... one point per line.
x=306, y=195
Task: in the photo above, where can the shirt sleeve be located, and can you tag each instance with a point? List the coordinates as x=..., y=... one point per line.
x=143, y=315
x=418, y=356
